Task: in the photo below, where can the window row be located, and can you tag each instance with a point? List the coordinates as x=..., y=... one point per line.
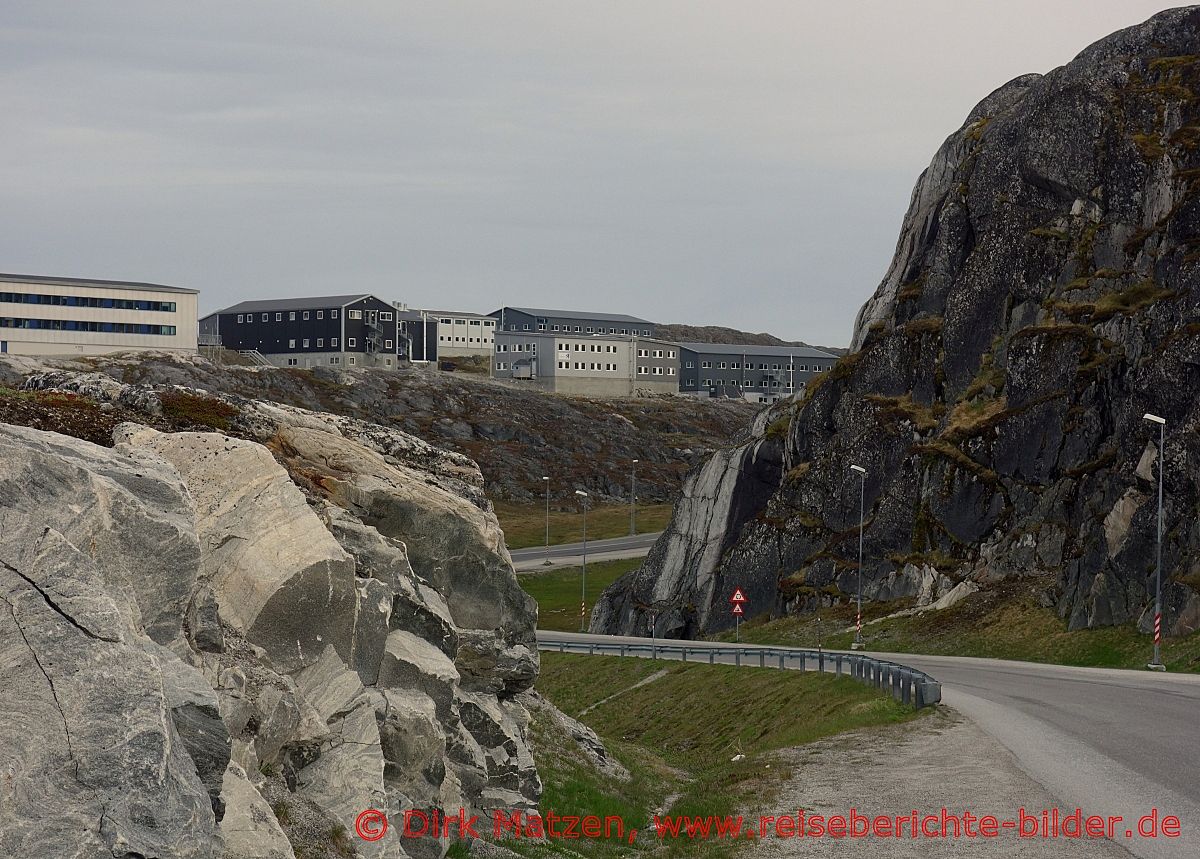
x=484, y=323
x=87, y=301
x=77, y=325
x=266, y=317
x=587, y=365
x=542, y=325
x=737, y=365
x=746, y=383
x=657, y=371
x=658, y=353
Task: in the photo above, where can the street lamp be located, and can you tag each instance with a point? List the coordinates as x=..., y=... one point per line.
x=1157, y=664
x=546, y=482
x=633, y=499
x=862, y=495
x=583, y=500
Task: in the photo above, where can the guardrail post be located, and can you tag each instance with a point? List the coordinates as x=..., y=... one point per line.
x=838, y=665
x=782, y=657
x=712, y=655
x=762, y=659
x=821, y=661
x=896, y=684
x=562, y=647
x=906, y=686
x=684, y=650
x=654, y=651
x=803, y=661
x=737, y=657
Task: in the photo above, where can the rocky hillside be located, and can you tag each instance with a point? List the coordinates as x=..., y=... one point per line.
x=721, y=334
x=229, y=644
x=1044, y=294
x=515, y=435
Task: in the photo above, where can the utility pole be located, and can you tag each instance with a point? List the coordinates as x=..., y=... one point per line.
x=1157, y=664
x=633, y=499
x=583, y=496
x=546, y=482
x=862, y=496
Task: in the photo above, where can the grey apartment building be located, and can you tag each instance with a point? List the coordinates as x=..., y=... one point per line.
x=570, y=322
x=758, y=373
x=594, y=365
x=326, y=330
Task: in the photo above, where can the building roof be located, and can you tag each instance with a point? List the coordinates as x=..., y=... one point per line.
x=84, y=281
x=459, y=313
x=296, y=303
x=574, y=314
x=571, y=335
x=748, y=349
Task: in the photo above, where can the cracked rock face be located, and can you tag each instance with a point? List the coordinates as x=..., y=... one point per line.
x=190, y=627
x=1044, y=295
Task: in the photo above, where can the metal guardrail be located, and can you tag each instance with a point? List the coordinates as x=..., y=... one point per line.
x=907, y=685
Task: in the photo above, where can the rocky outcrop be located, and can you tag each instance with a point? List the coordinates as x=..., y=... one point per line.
x=195, y=621
x=1044, y=295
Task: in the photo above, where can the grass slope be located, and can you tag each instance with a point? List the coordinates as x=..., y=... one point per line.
x=677, y=735
x=525, y=524
x=1005, y=621
x=557, y=591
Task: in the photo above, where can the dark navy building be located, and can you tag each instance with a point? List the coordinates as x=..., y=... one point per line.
x=330, y=330
x=759, y=373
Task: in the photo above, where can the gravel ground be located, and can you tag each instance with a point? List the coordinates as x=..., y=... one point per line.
x=942, y=760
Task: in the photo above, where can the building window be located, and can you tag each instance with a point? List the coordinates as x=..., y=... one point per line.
x=333, y=314
x=350, y=341
x=689, y=364
x=642, y=371
x=333, y=341
x=385, y=316
x=708, y=383
x=690, y=383
x=706, y=365
x=354, y=314
x=671, y=353
x=734, y=365
x=351, y=360
x=291, y=316
x=387, y=344
x=645, y=332
x=305, y=342
x=670, y=371
x=278, y=317
x=320, y=342
x=291, y=344
x=643, y=353
x=336, y=359
x=292, y=362
x=305, y=316
x=320, y=314
x=623, y=331
x=658, y=353
x=239, y=319
x=658, y=371
x=266, y=317
x=721, y=365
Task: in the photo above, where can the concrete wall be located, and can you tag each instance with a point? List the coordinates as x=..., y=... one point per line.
x=42, y=341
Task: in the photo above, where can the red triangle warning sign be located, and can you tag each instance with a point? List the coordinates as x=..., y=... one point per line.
x=738, y=596
x=737, y=608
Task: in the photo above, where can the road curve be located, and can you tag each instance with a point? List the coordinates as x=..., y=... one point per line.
x=571, y=554
x=1111, y=742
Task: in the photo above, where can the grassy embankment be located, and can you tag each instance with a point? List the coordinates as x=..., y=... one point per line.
x=676, y=750
x=525, y=524
x=557, y=591
x=1006, y=621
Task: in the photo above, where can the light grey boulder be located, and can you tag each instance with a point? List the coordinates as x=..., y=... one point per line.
x=279, y=576
x=249, y=827
x=410, y=662
x=95, y=762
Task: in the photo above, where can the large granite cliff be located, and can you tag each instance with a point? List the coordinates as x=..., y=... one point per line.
x=1044, y=294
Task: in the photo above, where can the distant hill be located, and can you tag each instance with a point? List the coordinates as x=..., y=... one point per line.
x=721, y=334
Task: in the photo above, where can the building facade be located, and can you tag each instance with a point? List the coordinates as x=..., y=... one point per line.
x=331, y=330
x=758, y=373
x=594, y=366
x=571, y=322
x=78, y=316
x=464, y=334
x=418, y=333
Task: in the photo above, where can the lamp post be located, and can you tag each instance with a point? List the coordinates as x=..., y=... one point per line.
x=633, y=499
x=1157, y=664
x=862, y=495
x=546, y=483
x=583, y=500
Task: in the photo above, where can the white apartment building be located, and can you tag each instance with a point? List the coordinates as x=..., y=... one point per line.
x=77, y=316
x=593, y=366
x=463, y=334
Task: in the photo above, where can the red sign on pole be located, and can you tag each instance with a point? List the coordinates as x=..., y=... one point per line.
x=737, y=608
x=738, y=596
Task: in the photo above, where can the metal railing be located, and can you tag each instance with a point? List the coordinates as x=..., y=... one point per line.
x=907, y=685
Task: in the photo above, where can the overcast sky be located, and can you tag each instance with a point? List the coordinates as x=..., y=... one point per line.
x=740, y=163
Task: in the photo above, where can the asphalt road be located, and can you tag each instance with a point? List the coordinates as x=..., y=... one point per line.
x=1111, y=742
x=571, y=554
